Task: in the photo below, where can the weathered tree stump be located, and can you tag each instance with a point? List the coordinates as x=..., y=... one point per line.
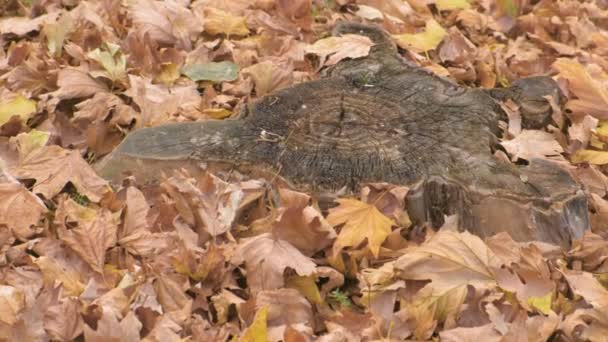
x=380, y=118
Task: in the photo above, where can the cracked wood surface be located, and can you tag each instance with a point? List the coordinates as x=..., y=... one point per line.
x=375, y=119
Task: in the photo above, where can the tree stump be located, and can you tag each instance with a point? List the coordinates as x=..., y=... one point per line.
x=379, y=118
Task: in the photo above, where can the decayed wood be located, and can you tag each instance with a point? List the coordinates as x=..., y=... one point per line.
x=381, y=119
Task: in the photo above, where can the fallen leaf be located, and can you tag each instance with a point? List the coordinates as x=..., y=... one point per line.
x=590, y=156
x=268, y=76
x=530, y=144
x=213, y=71
x=586, y=285
x=220, y=22
x=19, y=106
x=448, y=5
x=53, y=167
x=113, y=61
x=300, y=224
x=339, y=48
x=361, y=221
x=258, y=330
x=76, y=83
x=12, y=302
x=63, y=320
x=266, y=257
x=92, y=239
x=29, y=142
x=427, y=40
x=592, y=97
x=450, y=259
x=475, y=334
x=20, y=210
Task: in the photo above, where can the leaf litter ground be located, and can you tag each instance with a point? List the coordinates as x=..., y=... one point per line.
x=206, y=257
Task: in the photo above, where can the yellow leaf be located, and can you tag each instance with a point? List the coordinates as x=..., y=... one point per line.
x=424, y=41
x=218, y=113
x=258, y=330
x=218, y=22
x=542, y=304
x=169, y=73
x=602, y=129
x=19, y=106
x=590, y=156
x=448, y=5
x=306, y=286
x=362, y=221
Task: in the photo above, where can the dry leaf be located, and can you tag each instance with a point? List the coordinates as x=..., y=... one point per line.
x=266, y=257
x=220, y=22
x=450, y=259
x=592, y=97
x=427, y=40
x=53, y=167
x=91, y=240
x=530, y=144
x=339, y=48
x=361, y=221
x=20, y=210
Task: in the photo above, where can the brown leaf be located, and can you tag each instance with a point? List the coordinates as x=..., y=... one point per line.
x=269, y=76
x=587, y=286
x=76, y=82
x=482, y=333
x=166, y=22
x=302, y=225
x=450, y=259
x=53, y=167
x=339, y=48
x=91, y=240
x=533, y=144
x=20, y=209
x=592, y=95
x=12, y=302
x=63, y=321
x=266, y=257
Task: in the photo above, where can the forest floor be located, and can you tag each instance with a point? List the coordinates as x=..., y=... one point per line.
x=199, y=258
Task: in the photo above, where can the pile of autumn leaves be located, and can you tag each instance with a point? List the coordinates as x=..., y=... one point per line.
x=201, y=258
x=215, y=260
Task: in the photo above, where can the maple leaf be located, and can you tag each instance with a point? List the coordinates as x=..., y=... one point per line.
x=428, y=307
x=269, y=76
x=300, y=224
x=533, y=144
x=76, y=83
x=592, y=97
x=166, y=22
x=53, y=167
x=266, y=257
x=588, y=287
x=361, y=221
x=109, y=328
x=217, y=21
x=20, y=209
x=339, y=48
x=213, y=201
x=63, y=320
x=92, y=238
x=450, y=259
x=427, y=40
